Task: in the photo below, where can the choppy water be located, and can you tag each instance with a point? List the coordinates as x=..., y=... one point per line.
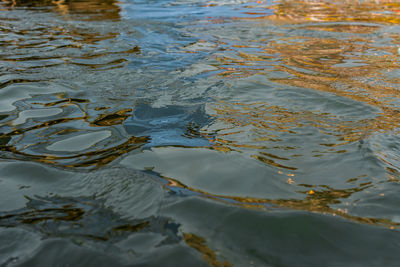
x=199, y=133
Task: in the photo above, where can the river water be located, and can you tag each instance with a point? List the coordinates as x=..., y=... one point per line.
x=199, y=133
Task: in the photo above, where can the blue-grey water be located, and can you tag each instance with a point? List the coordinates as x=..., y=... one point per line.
x=199, y=133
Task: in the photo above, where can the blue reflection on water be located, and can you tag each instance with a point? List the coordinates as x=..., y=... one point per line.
x=170, y=125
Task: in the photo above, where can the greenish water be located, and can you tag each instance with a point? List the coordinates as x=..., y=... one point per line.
x=199, y=133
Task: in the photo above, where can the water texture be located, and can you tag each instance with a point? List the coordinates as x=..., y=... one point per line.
x=199, y=133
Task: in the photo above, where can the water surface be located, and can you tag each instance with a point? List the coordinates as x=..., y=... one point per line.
x=202, y=133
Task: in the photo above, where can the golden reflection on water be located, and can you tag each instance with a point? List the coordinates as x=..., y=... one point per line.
x=333, y=53
x=315, y=68
x=199, y=243
x=352, y=67
x=269, y=122
x=316, y=200
x=93, y=9
x=382, y=11
x=96, y=157
x=45, y=48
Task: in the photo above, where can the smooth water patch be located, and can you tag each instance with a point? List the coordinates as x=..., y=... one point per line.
x=214, y=172
x=79, y=142
x=36, y=113
x=284, y=238
x=15, y=92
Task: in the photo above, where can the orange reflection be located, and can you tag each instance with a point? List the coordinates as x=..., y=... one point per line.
x=353, y=67
x=199, y=243
x=329, y=47
x=94, y=9
x=382, y=11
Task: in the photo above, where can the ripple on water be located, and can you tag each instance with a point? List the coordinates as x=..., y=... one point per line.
x=169, y=125
x=199, y=132
x=16, y=92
